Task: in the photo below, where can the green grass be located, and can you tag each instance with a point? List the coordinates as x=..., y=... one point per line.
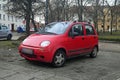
x=108, y=33
x=9, y=44
x=107, y=36
x=110, y=37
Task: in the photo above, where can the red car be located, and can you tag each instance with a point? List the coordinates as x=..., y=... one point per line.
x=58, y=41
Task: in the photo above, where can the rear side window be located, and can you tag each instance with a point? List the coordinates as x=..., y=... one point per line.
x=89, y=30
x=4, y=27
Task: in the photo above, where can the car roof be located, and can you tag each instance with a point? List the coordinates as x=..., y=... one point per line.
x=71, y=22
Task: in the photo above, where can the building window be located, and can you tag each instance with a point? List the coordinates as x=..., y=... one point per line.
x=0, y=7
x=0, y=16
x=12, y=18
x=8, y=18
x=3, y=17
x=3, y=7
x=16, y=19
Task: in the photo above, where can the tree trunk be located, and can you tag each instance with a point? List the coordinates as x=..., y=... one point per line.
x=28, y=15
x=111, y=21
x=33, y=22
x=28, y=25
x=103, y=23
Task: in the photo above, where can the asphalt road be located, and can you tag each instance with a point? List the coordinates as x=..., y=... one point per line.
x=105, y=67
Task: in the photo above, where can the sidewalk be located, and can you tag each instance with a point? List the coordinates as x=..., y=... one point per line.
x=109, y=46
x=16, y=35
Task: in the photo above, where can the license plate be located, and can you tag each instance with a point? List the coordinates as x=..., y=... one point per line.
x=27, y=51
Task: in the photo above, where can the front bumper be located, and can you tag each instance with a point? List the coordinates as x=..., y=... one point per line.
x=39, y=54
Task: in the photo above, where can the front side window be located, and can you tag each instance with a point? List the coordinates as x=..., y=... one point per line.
x=76, y=30
x=89, y=30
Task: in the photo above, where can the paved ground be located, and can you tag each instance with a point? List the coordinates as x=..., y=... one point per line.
x=16, y=35
x=105, y=67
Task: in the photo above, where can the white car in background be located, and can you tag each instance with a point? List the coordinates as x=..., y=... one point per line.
x=5, y=32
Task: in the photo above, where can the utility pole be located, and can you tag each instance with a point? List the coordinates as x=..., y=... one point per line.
x=46, y=12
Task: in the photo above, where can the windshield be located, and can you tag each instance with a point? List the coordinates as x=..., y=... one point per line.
x=55, y=28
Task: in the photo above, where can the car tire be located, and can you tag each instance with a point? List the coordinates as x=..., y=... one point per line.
x=27, y=60
x=94, y=52
x=9, y=37
x=59, y=59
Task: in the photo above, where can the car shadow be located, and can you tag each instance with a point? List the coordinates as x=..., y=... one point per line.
x=69, y=62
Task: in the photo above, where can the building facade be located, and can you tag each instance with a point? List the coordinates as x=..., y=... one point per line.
x=9, y=20
x=107, y=21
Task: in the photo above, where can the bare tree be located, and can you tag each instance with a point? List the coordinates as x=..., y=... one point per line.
x=112, y=13
x=25, y=9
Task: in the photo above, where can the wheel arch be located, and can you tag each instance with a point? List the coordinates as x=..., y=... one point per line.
x=97, y=47
x=10, y=34
x=63, y=49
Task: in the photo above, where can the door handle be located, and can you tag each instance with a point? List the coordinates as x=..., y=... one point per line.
x=83, y=38
x=94, y=37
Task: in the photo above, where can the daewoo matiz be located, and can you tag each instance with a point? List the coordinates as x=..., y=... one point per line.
x=58, y=41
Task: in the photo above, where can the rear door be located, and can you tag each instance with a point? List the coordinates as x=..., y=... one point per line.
x=91, y=37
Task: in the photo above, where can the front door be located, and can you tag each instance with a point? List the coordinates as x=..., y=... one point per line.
x=76, y=40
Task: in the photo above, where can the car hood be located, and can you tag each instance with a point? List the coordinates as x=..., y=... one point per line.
x=36, y=39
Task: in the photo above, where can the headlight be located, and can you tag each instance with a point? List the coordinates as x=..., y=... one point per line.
x=45, y=43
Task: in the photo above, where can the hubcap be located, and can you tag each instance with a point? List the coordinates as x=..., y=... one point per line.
x=59, y=59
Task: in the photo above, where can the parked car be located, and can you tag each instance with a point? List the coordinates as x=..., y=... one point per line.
x=21, y=29
x=5, y=32
x=59, y=41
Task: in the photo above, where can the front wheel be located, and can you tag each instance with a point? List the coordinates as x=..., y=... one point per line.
x=93, y=54
x=9, y=37
x=59, y=59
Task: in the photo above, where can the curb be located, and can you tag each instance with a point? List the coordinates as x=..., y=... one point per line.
x=106, y=41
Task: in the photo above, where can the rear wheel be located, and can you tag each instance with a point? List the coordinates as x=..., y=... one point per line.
x=59, y=58
x=93, y=54
x=9, y=37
